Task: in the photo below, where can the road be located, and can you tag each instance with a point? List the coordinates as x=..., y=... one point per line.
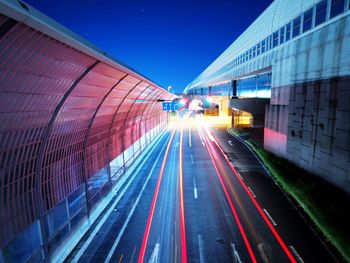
x=202, y=196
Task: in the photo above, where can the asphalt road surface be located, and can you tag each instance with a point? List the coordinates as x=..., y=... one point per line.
x=202, y=196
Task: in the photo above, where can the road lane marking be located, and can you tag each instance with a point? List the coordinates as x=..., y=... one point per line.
x=195, y=188
x=252, y=192
x=133, y=254
x=263, y=254
x=154, y=255
x=235, y=254
x=268, y=215
x=233, y=210
x=153, y=204
x=191, y=158
x=296, y=254
x=189, y=137
x=258, y=207
x=116, y=242
x=131, y=178
x=182, y=207
x=200, y=247
x=230, y=143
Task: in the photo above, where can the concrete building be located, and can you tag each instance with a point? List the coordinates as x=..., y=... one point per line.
x=302, y=49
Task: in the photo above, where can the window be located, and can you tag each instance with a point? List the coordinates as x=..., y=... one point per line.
x=337, y=7
x=268, y=43
x=307, y=20
x=321, y=12
x=258, y=48
x=275, y=39
x=282, y=35
x=288, y=32
x=263, y=46
x=296, y=26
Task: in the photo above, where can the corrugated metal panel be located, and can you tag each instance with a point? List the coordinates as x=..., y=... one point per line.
x=275, y=16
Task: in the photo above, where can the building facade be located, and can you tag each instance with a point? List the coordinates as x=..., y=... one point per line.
x=305, y=46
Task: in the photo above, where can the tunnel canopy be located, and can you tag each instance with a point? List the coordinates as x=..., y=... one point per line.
x=66, y=111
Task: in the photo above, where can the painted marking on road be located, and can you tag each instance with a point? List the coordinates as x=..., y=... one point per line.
x=189, y=137
x=133, y=254
x=83, y=248
x=154, y=255
x=154, y=201
x=195, y=192
x=273, y=230
x=263, y=254
x=230, y=143
x=233, y=210
x=296, y=254
x=191, y=158
x=116, y=242
x=181, y=206
x=252, y=192
x=201, y=249
x=268, y=215
x=235, y=254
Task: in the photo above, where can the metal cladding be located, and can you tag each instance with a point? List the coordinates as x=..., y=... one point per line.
x=270, y=36
x=66, y=111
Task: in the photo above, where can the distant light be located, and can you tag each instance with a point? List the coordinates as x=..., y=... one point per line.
x=209, y=99
x=182, y=102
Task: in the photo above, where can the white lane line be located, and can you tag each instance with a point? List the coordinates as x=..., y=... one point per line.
x=268, y=215
x=135, y=172
x=116, y=242
x=200, y=247
x=192, y=158
x=133, y=255
x=189, y=137
x=296, y=254
x=235, y=254
x=154, y=255
x=230, y=143
x=252, y=192
x=195, y=192
x=263, y=254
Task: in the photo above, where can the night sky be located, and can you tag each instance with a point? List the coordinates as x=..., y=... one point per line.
x=170, y=42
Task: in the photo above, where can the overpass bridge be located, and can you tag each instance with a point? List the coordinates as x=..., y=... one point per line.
x=296, y=55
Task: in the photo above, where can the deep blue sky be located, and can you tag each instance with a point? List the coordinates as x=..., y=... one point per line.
x=170, y=41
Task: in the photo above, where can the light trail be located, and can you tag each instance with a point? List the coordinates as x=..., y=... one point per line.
x=153, y=205
x=182, y=208
x=233, y=210
x=258, y=207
